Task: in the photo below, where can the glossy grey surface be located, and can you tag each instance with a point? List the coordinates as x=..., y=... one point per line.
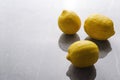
x=33, y=48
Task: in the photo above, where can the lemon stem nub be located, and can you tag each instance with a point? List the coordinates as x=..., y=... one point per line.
x=68, y=57
x=64, y=11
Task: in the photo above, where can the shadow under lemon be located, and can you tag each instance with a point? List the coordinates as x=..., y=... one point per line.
x=104, y=46
x=75, y=73
x=66, y=40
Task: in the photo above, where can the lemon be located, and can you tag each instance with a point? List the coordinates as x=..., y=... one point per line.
x=69, y=22
x=99, y=27
x=83, y=53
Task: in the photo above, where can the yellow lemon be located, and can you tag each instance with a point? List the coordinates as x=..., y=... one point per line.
x=69, y=22
x=99, y=27
x=83, y=53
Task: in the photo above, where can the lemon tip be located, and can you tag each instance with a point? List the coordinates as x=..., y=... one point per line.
x=68, y=57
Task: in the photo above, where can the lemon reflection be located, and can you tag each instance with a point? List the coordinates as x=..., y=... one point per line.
x=75, y=73
x=66, y=40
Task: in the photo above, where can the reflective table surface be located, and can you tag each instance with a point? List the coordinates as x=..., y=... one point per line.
x=32, y=47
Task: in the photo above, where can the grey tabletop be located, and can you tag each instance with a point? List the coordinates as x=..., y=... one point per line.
x=32, y=47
